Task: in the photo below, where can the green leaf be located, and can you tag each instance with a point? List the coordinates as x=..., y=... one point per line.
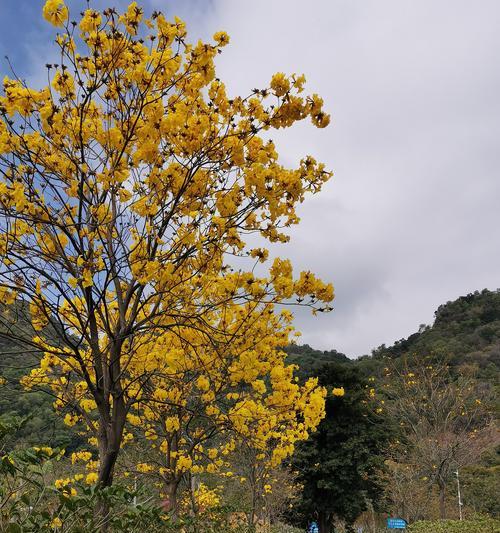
x=13, y=528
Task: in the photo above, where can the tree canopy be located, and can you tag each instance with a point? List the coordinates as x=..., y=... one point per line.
x=128, y=188
x=339, y=465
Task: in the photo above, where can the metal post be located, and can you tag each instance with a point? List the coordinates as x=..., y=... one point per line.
x=459, y=496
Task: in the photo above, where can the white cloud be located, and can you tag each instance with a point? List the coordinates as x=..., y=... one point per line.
x=410, y=220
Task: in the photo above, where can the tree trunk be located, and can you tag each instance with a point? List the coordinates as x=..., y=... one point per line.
x=192, y=489
x=107, y=461
x=442, y=500
x=107, y=468
x=253, y=508
x=170, y=501
x=110, y=439
x=109, y=447
x=325, y=522
x=109, y=442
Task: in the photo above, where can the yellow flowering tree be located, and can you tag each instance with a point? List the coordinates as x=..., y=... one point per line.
x=209, y=396
x=128, y=187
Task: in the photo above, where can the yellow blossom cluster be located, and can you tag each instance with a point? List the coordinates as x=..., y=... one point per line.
x=205, y=497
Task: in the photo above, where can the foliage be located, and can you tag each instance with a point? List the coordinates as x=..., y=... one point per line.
x=476, y=525
x=466, y=336
x=32, y=499
x=41, y=424
x=445, y=422
x=310, y=360
x=263, y=492
x=481, y=485
x=337, y=466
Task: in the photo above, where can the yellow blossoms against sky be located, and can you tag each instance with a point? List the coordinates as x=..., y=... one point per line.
x=132, y=186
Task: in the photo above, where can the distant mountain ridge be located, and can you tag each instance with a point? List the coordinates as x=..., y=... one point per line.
x=310, y=360
x=465, y=331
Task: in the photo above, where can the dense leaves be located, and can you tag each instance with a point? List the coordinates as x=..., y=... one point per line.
x=478, y=525
x=467, y=330
x=338, y=465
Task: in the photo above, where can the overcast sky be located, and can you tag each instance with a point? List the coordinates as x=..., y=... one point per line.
x=411, y=218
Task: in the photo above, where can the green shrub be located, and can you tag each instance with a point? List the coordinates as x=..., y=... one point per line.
x=476, y=525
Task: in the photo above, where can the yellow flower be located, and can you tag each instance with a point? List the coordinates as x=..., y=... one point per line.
x=212, y=453
x=91, y=20
x=132, y=17
x=56, y=522
x=172, y=424
x=61, y=483
x=80, y=456
x=45, y=449
x=184, y=463
x=338, y=391
x=144, y=468
x=206, y=497
x=70, y=420
x=55, y=12
x=280, y=84
x=87, y=278
x=91, y=478
x=222, y=38
x=202, y=383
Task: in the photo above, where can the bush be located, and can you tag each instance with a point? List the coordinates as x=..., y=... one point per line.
x=476, y=525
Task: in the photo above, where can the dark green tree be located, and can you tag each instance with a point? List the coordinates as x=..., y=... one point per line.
x=339, y=465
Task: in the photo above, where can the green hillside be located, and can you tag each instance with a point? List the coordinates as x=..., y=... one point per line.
x=41, y=425
x=310, y=360
x=466, y=330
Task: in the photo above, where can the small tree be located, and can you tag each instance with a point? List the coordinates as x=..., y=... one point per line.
x=205, y=404
x=128, y=186
x=445, y=420
x=339, y=465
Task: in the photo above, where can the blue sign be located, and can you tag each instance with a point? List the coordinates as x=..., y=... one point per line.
x=396, y=523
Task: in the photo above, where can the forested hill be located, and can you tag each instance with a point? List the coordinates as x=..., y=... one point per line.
x=310, y=360
x=466, y=330
x=40, y=423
